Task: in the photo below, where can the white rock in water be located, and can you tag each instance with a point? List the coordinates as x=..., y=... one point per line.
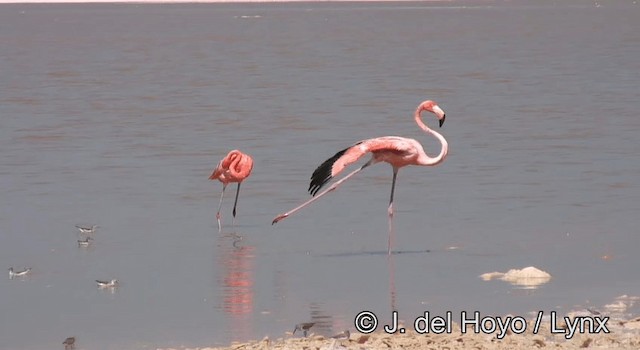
x=491, y=275
x=529, y=277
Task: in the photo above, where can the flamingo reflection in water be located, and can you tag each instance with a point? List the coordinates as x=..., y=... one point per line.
x=237, y=282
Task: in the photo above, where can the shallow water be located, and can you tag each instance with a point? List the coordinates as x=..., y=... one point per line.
x=116, y=114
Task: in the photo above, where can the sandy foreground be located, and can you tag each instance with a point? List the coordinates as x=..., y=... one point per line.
x=613, y=328
x=622, y=334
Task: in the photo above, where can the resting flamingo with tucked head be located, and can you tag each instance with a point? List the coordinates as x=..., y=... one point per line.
x=235, y=167
x=395, y=150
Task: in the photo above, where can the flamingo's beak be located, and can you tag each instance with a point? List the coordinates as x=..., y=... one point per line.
x=439, y=113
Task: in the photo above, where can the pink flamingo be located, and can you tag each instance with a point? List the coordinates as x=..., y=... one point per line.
x=235, y=167
x=397, y=151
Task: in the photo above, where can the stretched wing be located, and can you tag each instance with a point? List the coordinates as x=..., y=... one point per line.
x=334, y=165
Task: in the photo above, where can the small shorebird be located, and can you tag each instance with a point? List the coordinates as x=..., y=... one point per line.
x=335, y=346
x=107, y=284
x=69, y=343
x=87, y=229
x=342, y=335
x=85, y=242
x=21, y=273
x=304, y=327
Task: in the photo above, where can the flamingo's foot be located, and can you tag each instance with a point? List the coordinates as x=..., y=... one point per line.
x=278, y=218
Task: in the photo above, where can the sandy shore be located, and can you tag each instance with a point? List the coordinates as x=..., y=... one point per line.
x=622, y=334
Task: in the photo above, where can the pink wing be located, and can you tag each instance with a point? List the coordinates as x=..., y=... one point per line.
x=217, y=171
x=234, y=167
x=334, y=165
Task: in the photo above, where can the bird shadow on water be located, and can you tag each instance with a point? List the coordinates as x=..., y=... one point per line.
x=373, y=253
x=390, y=262
x=391, y=266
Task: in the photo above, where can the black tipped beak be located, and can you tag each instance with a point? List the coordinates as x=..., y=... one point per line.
x=442, y=120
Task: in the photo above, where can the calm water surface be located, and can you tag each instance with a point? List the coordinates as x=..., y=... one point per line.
x=116, y=114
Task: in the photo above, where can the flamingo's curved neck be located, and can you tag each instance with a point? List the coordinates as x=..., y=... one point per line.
x=234, y=162
x=238, y=165
x=444, y=150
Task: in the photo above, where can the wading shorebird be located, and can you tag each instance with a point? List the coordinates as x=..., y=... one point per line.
x=20, y=273
x=87, y=229
x=397, y=151
x=342, y=335
x=69, y=343
x=235, y=167
x=107, y=284
x=304, y=327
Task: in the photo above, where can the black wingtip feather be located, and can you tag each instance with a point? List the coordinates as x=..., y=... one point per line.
x=322, y=174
